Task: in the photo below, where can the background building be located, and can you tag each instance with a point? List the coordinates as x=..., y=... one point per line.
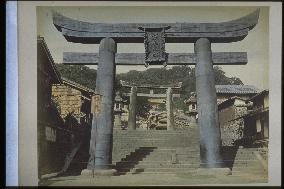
x=257, y=120
x=243, y=114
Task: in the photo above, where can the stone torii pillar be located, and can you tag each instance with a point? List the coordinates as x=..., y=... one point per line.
x=132, y=109
x=210, y=139
x=102, y=125
x=170, y=113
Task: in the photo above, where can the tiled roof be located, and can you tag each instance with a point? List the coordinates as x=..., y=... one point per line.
x=237, y=89
x=262, y=93
x=229, y=101
x=191, y=99
x=77, y=85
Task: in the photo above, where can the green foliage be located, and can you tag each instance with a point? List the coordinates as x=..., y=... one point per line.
x=152, y=76
x=222, y=79
x=156, y=76
x=78, y=73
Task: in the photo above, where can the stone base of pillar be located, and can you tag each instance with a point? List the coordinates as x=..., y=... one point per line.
x=99, y=172
x=214, y=171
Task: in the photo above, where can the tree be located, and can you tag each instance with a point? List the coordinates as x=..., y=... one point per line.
x=78, y=73
x=152, y=76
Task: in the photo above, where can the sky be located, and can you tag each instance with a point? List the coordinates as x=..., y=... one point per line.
x=256, y=44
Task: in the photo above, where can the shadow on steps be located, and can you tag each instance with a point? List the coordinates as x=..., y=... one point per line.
x=129, y=162
x=229, y=155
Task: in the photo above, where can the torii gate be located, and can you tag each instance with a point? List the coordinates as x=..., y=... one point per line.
x=169, y=99
x=154, y=36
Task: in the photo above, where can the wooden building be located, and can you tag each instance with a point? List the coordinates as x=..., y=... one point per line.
x=224, y=92
x=233, y=102
x=53, y=137
x=73, y=99
x=257, y=120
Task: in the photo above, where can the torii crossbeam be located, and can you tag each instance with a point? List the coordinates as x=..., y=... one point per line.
x=154, y=36
x=219, y=58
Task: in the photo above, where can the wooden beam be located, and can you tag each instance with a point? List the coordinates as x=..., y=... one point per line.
x=219, y=58
x=85, y=32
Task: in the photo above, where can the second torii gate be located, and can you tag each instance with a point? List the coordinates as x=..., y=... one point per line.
x=169, y=101
x=154, y=36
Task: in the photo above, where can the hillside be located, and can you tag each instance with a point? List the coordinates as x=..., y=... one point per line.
x=156, y=76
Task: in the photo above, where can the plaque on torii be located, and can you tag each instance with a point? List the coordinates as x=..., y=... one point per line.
x=154, y=36
x=154, y=41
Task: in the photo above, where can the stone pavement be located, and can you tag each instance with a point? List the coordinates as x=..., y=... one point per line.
x=155, y=179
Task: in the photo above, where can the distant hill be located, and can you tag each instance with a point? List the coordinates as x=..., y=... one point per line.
x=156, y=76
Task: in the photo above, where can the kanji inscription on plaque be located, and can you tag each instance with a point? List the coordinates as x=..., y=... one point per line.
x=154, y=41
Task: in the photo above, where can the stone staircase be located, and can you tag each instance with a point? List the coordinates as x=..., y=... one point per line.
x=155, y=151
x=162, y=151
x=247, y=161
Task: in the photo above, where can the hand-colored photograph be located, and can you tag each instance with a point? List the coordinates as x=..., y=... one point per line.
x=152, y=95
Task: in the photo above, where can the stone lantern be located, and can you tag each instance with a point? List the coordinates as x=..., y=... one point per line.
x=118, y=106
x=192, y=108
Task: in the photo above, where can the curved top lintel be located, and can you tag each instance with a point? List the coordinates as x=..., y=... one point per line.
x=80, y=29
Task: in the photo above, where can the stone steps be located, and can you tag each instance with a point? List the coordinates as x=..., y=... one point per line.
x=156, y=165
x=156, y=160
x=168, y=158
x=153, y=144
x=169, y=165
x=155, y=170
x=165, y=150
x=124, y=146
x=153, y=133
x=154, y=151
x=246, y=162
x=152, y=173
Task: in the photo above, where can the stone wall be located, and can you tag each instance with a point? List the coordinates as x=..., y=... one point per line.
x=67, y=99
x=232, y=124
x=182, y=121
